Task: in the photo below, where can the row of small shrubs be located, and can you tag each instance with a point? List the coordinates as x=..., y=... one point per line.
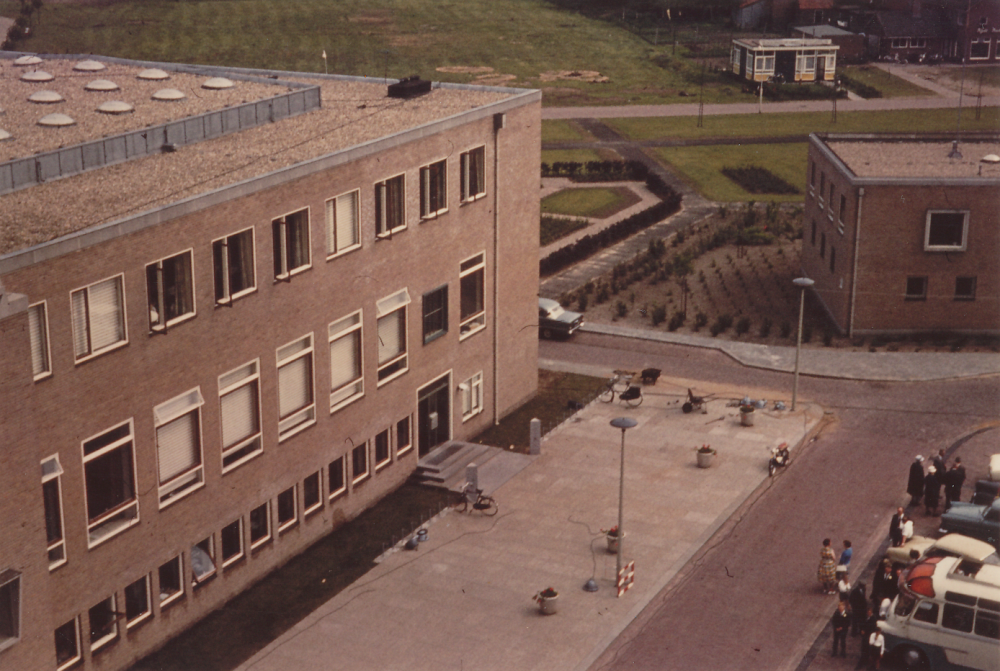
x=597, y=171
x=755, y=179
x=779, y=92
x=591, y=244
x=862, y=89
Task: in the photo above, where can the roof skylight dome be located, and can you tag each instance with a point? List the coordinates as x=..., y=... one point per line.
x=45, y=97
x=990, y=158
x=89, y=66
x=217, y=83
x=27, y=60
x=115, y=107
x=37, y=76
x=153, y=74
x=101, y=85
x=168, y=95
x=56, y=120
x=4, y=135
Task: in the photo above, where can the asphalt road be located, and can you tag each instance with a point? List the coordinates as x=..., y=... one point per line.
x=751, y=600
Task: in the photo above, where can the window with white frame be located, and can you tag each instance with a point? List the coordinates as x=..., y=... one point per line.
x=239, y=397
x=171, y=581
x=979, y=49
x=178, y=445
x=10, y=608
x=473, y=167
x=232, y=542
x=831, y=64
x=287, y=509
x=312, y=496
x=342, y=224
x=67, y=638
x=347, y=380
x=202, y=561
x=109, y=477
x=391, y=312
x=98, y=318
x=383, y=448
x=38, y=332
x=472, y=396
x=764, y=63
x=390, y=207
x=170, y=291
x=359, y=462
x=103, y=623
x=433, y=189
x=946, y=230
x=918, y=42
x=900, y=43
x=435, y=309
x=52, y=496
x=336, y=475
x=472, y=274
x=290, y=236
x=234, y=266
x=404, y=437
x=296, y=409
x=735, y=57
x=137, y=604
x=260, y=525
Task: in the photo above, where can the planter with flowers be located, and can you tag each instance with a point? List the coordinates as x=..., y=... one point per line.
x=612, y=536
x=706, y=455
x=547, y=601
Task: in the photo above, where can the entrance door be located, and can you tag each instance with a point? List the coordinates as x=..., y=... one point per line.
x=433, y=415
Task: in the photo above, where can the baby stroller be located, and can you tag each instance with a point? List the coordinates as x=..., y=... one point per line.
x=693, y=403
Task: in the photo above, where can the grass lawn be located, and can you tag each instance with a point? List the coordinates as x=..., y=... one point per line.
x=560, y=130
x=891, y=86
x=553, y=228
x=701, y=167
x=599, y=202
x=551, y=156
x=803, y=123
x=550, y=404
x=378, y=38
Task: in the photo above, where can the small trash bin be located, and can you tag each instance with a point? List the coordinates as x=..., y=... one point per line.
x=746, y=415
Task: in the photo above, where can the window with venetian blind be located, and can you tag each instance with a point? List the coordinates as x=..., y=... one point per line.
x=98, y=315
x=178, y=445
x=38, y=333
x=296, y=409
x=342, y=224
x=346, y=365
x=391, y=312
x=239, y=396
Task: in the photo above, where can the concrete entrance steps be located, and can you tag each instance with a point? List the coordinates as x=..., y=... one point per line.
x=445, y=466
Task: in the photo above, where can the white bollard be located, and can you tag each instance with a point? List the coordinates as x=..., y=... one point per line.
x=536, y=436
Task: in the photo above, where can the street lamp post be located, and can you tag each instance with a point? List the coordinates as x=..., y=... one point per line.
x=623, y=423
x=802, y=283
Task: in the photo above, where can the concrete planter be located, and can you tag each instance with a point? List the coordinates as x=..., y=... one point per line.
x=612, y=542
x=746, y=415
x=705, y=459
x=547, y=605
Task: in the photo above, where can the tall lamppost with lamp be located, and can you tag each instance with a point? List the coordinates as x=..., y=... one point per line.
x=623, y=423
x=802, y=283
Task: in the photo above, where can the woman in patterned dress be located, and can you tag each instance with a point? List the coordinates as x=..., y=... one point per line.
x=827, y=573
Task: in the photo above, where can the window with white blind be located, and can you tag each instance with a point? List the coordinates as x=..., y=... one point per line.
x=52, y=496
x=346, y=363
x=342, y=224
x=170, y=291
x=296, y=409
x=472, y=396
x=290, y=235
x=433, y=189
x=38, y=332
x=473, y=167
x=234, y=266
x=109, y=477
x=390, y=208
x=178, y=445
x=472, y=283
x=391, y=312
x=98, y=313
x=239, y=396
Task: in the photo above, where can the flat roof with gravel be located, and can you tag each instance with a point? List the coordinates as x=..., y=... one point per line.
x=914, y=158
x=354, y=111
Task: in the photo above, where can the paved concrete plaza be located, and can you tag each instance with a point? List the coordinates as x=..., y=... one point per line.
x=463, y=600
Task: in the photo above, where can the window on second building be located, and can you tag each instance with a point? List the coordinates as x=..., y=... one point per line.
x=137, y=607
x=383, y=449
x=178, y=445
x=10, y=608
x=239, y=397
x=109, y=475
x=171, y=581
x=391, y=326
x=347, y=381
x=472, y=396
x=342, y=224
x=404, y=439
x=473, y=166
x=390, y=209
x=312, y=496
x=287, y=509
x=965, y=288
x=433, y=189
x=916, y=288
x=290, y=235
x=38, y=331
x=67, y=639
x=232, y=542
x=260, y=525
x=295, y=387
x=52, y=496
x=473, y=278
x=979, y=48
x=359, y=462
x=233, y=264
x=103, y=623
x=169, y=291
x=98, y=318
x=202, y=561
x=946, y=230
x=336, y=476
x=435, y=308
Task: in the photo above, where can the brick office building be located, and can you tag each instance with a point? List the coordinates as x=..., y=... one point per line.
x=231, y=319
x=902, y=234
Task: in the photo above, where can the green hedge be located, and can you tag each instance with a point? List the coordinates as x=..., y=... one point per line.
x=862, y=89
x=597, y=171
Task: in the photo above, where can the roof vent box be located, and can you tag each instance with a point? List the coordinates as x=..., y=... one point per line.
x=409, y=87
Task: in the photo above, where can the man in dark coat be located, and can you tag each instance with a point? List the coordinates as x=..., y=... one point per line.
x=883, y=585
x=939, y=463
x=932, y=491
x=915, y=485
x=858, y=602
x=896, y=528
x=841, y=624
x=953, y=483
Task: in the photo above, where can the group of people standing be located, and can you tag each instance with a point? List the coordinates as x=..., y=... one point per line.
x=928, y=486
